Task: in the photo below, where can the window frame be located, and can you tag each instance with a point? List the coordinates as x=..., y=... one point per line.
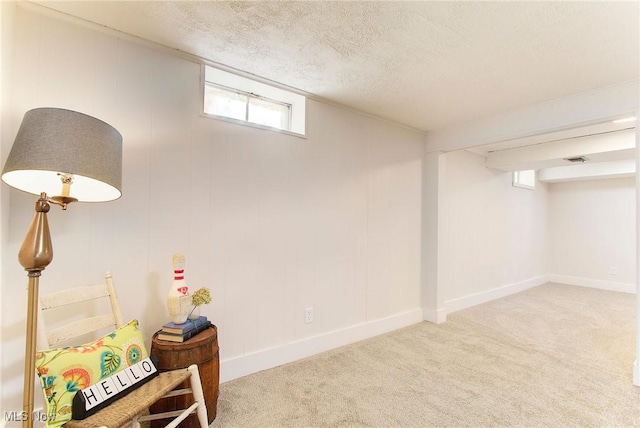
x=297, y=117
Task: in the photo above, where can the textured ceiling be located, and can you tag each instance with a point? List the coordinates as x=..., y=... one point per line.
x=424, y=64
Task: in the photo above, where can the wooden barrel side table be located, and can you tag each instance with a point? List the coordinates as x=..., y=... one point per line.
x=202, y=350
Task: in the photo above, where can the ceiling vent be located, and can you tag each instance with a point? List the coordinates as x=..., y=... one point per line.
x=577, y=159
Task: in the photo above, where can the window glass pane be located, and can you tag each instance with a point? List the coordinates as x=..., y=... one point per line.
x=525, y=179
x=223, y=102
x=269, y=113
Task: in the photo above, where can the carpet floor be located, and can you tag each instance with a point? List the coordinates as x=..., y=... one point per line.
x=552, y=356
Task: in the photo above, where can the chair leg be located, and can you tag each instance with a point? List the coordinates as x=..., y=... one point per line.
x=198, y=396
x=135, y=423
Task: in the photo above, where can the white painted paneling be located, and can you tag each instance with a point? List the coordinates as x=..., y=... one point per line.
x=592, y=229
x=130, y=266
x=492, y=234
x=6, y=66
x=394, y=222
x=270, y=222
x=336, y=213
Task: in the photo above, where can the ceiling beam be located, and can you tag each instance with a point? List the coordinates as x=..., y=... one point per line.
x=589, y=108
x=589, y=171
x=596, y=148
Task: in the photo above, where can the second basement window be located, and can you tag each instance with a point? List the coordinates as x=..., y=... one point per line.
x=525, y=179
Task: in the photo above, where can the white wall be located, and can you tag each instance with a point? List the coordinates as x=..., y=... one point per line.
x=492, y=235
x=6, y=37
x=270, y=222
x=592, y=229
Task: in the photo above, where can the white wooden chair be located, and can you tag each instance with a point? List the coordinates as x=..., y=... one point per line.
x=130, y=409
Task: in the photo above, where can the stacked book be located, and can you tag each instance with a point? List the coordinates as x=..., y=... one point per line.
x=181, y=332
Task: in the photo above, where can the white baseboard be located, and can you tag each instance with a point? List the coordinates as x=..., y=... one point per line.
x=236, y=367
x=436, y=316
x=493, y=294
x=623, y=287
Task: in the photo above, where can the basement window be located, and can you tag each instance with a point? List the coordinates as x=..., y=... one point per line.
x=238, y=99
x=525, y=179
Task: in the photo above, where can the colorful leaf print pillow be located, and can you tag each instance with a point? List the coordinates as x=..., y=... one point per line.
x=65, y=371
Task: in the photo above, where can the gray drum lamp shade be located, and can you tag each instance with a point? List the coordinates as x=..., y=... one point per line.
x=53, y=141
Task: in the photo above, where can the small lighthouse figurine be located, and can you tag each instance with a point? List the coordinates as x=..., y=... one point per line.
x=178, y=299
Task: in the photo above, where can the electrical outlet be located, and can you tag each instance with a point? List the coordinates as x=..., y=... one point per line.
x=613, y=270
x=308, y=315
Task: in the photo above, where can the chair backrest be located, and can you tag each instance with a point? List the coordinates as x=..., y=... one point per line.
x=81, y=295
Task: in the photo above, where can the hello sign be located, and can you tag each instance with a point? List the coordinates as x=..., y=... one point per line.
x=97, y=396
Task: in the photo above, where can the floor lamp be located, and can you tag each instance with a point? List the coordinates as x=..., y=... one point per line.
x=71, y=155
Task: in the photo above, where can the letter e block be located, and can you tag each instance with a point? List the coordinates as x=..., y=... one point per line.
x=107, y=387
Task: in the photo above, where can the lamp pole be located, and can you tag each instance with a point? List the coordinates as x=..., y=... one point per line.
x=35, y=255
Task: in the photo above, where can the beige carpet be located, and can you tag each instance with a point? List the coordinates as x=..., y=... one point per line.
x=552, y=356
